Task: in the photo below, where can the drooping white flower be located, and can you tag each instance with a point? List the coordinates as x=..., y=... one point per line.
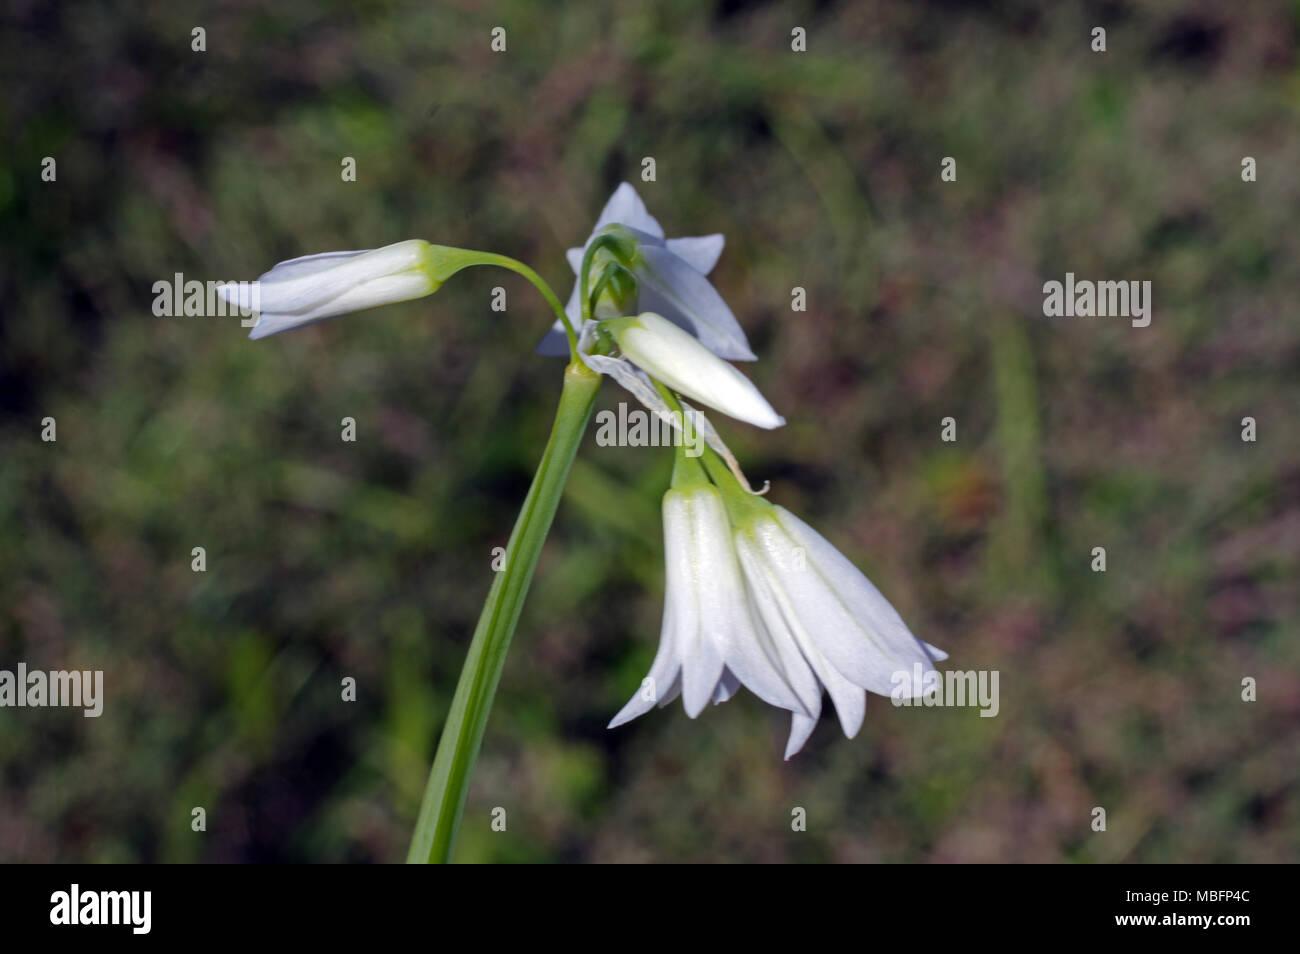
x=664, y=351
x=307, y=289
x=811, y=597
x=710, y=643
x=670, y=276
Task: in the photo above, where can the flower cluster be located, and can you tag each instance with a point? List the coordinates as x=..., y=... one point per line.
x=754, y=597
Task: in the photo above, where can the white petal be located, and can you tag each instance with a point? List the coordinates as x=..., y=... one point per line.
x=749, y=654
x=298, y=284
x=305, y=265
x=859, y=595
x=727, y=687
x=664, y=675
x=312, y=282
x=850, y=700
x=725, y=615
x=803, y=681
x=849, y=643
x=779, y=614
x=701, y=252
x=680, y=622
x=672, y=287
x=701, y=672
x=677, y=294
x=701, y=662
x=801, y=727
x=554, y=344
x=626, y=208
x=674, y=690
x=387, y=290
x=674, y=357
x=574, y=257
x=307, y=289
x=268, y=324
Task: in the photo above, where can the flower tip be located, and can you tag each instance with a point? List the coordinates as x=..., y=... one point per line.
x=678, y=359
x=635, y=707
x=759, y=412
x=801, y=729
x=264, y=328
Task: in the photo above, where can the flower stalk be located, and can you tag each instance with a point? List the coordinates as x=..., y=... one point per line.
x=519, y=268
x=444, y=795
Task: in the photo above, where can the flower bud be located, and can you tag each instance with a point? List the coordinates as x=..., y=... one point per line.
x=307, y=289
x=677, y=358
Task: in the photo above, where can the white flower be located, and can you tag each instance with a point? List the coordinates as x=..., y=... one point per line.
x=313, y=287
x=670, y=276
x=667, y=353
x=850, y=640
x=710, y=643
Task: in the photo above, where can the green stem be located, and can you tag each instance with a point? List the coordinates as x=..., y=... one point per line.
x=609, y=278
x=606, y=241
x=444, y=795
x=469, y=257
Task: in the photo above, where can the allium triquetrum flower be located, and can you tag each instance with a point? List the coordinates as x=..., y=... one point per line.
x=810, y=595
x=802, y=608
x=665, y=352
x=670, y=276
x=711, y=643
x=307, y=289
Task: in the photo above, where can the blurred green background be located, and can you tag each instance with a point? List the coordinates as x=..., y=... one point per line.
x=371, y=559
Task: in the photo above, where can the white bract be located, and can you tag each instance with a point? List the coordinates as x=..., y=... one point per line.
x=664, y=351
x=710, y=643
x=307, y=289
x=810, y=596
x=670, y=276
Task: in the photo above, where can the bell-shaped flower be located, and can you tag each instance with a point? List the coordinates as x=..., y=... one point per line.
x=710, y=643
x=664, y=351
x=307, y=289
x=809, y=596
x=670, y=276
